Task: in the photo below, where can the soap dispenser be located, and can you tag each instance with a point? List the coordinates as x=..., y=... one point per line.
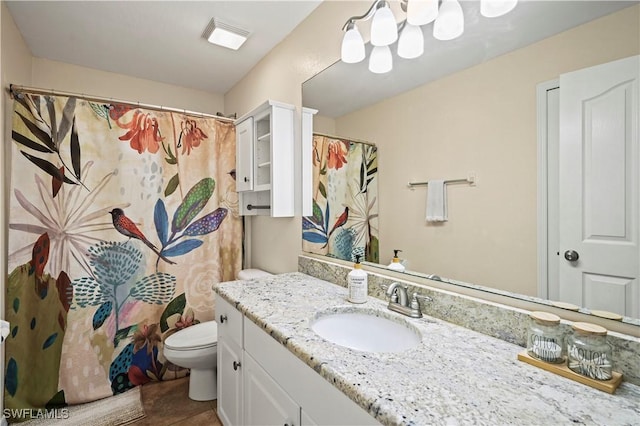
x=395, y=264
x=357, y=282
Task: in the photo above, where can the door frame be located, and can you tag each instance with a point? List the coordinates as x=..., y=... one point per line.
x=543, y=194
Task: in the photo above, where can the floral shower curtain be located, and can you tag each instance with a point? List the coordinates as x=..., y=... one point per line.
x=345, y=205
x=121, y=219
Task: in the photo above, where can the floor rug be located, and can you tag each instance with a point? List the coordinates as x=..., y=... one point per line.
x=122, y=409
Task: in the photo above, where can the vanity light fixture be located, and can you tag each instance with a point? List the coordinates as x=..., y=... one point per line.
x=384, y=29
x=352, y=45
x=225, y=35
x=448, y=23
x=495, y=8
x=380, y=61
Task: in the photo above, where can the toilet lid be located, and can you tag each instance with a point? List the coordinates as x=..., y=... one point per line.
x=197, y=336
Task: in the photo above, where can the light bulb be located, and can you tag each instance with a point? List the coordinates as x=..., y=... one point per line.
x=380, y=60
x=352, y=45
x=411, y=43
x=450, y=21
x=421, y=12
x=495, y=8
x=384, y=29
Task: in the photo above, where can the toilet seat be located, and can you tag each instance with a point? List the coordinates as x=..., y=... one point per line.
x=199, y=336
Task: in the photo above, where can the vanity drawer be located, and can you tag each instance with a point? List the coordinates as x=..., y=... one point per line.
x=229, y=321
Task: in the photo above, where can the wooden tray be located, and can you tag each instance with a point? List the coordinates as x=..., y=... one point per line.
x=609, y=386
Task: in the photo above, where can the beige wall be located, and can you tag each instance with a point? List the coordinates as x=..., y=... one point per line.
x=323, y=124
x=15, y=67
x=482, y=119
x=65, y=77
x=311, y=47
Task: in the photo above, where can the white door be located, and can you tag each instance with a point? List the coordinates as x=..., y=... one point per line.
x=599, y=187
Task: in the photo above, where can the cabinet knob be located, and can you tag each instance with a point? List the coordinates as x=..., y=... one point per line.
x=236, y=365
x=246, y=179
x=223, y=318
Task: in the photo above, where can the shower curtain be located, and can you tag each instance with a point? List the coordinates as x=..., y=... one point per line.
x=120, y=221
x=345, y=200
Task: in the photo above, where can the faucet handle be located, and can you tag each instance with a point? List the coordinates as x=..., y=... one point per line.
x=414, y=300
x=420, y=296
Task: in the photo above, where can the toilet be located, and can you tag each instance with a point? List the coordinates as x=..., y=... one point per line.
x=196, y=347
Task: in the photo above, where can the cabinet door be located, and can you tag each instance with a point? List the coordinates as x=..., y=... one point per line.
x=229, y=321
x=265, y=402
x=283, y=180
x=244, y=155
x=229, y=382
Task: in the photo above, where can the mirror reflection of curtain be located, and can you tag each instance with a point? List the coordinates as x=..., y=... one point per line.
x=121, y=219
x=345, y=200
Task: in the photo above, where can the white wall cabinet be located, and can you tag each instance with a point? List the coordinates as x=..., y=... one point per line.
x=276, y=388
x=265, y=160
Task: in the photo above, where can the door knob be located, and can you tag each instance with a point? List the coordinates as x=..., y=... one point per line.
x=571, y=255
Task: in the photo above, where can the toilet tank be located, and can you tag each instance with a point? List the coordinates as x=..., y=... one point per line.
x=248, y=274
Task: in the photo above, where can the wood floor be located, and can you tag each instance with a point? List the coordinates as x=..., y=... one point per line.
x=167, y=403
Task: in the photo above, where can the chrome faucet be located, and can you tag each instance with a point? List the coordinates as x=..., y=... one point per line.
x=398, y=294
x=399, y=301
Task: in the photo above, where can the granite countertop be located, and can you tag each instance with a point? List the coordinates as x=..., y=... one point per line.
x=454, y=376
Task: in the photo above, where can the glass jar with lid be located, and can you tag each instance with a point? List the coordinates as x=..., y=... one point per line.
x=545, y=340
x=589, y=354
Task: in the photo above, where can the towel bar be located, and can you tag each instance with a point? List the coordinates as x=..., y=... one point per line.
x=471, y=180
x=252, y=207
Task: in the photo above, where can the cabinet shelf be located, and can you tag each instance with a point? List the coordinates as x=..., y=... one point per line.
x=264, y=137
x=262, y=187
x=265, y=164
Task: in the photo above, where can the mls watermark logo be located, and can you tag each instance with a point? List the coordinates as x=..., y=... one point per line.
x=35, y=413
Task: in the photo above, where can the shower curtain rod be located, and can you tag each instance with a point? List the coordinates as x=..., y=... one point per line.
x=16, y=90
x=343, y=138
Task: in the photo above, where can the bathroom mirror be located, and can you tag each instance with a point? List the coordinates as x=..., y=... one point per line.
x=469, y=107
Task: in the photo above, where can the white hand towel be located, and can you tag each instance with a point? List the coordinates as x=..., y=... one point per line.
x=436, y=201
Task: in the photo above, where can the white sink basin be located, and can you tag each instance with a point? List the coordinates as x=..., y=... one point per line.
x=366, y=330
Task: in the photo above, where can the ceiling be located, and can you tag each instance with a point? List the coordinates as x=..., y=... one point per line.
x=344, y=88
x=157, y=40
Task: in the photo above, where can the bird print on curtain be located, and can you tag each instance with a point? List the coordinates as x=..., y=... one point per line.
x=126, y=227
x=120, y=221
x=344, y=223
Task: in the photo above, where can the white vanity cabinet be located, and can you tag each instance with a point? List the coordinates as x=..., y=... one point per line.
x=275, y=387
x=265, y=160
x=265, y=402
x=230, y=359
